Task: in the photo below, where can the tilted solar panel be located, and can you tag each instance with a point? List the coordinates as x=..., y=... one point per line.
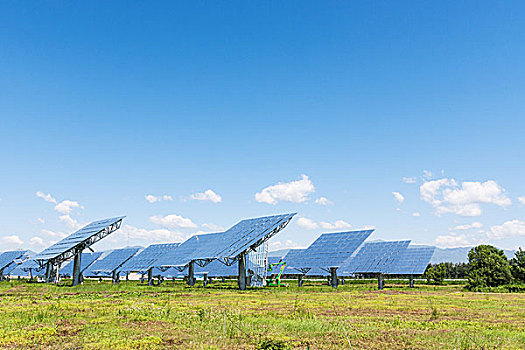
x=411, y=261
x=85, y=262
x=9, y=258
x=329, y=250
x=105, y=266
x=373, y=257
x=83, y=238
x=293, y=260
x=144, y=260
x=217, y=269
x=225, y=246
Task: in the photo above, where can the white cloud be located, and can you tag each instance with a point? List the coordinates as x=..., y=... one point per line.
x=37, y=242
x=447, y=196
x=306, y=223
x=521, y=199
x=172, y=221
x=152, y=199
x=453, y=240
x=399, y=197
x=469, y=226
x=514, y=228
x=369, y=227
x=323, y=201
x=160, y=235
x=337, y=225
x=416, y=214
x=213, y=228
x=294, y=191
x=14, y=240
x=288, y=244
x=207, y=195
x=46, y=197
x=66, y=206
x=70, y=222
x=40, y=220
x=427, y=174
x=409, y=180
x=50, y=233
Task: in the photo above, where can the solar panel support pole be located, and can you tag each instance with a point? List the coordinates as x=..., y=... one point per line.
x=300, y=280
x=191, y=273
x=343, y=281
x=242, y=272
x=380, y=283
x=150, y=276
x=411, y=281
x=205, y=280
x=76, y=268
x=333, y=277
x=49, y=272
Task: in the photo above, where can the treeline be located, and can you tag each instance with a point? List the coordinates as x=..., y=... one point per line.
x=487, y=267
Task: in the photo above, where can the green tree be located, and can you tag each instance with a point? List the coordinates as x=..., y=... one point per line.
x=436, y=274
x=517, y=266
x=488, y=267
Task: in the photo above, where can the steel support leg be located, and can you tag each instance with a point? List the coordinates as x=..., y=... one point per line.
x=191, y=274
x=150, y=276
x=76, y=268
x=343, y=281
x=242, y=272
x=205, y=280
x=300, y=281
x=380, y=282
x=333, y=277
x=411, y=281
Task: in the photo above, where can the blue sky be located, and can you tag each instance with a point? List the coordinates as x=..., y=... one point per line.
x=103, y=104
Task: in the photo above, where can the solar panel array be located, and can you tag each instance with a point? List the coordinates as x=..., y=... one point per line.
x=105, y=266
x=86, y=260
x=411, y=261
x=77, y=239
x=24, y=268
x=217, y=269
x=374, y=257
x=225, y=246
x=144, y=260
x=329, y=250
x=8, y=258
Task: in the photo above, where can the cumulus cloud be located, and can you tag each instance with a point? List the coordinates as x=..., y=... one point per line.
x=469, y=226
x=46, y=197
x=207, y=195
x=288, y=244
x=409, y=180
x=172, y=221
x=294, y=191
x=213, y=228
x=54, y=234
x=521, y=199
x=66, y=206
x=453, y=240
x=306, y=223
x=37, y=242
x=447, y=196
x=70, y=222
x=416, y=214
x=323, y=201
x=160, y=235
x=369, y=227
x=337, y=225
x=40, y=220
x=513, y=228
x=13, y=240
x=398, y=197
x=152, y=199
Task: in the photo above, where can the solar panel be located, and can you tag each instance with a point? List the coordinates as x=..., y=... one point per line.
x=85, y=262
x=29, y=265
x=226, y=246
x=8, y=259
x=411, y=261
x=217, y=269
x=144, y=260
x=83, y=238
x=374, y=257
x=104, y=267
x=329, y=250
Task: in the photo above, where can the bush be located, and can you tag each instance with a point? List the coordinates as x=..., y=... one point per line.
x=489, y=267
x=436, y=274
x=517, y=266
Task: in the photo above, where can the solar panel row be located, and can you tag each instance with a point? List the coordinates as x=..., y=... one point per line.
x=105, y=266
x=85, y=262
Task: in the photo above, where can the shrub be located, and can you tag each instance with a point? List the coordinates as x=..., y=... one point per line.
x=489, y=267
x=436, y=274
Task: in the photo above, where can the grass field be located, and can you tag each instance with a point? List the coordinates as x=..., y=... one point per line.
x=131, y=315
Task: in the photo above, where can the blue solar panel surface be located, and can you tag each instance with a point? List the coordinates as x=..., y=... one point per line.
x=85, y=262
x=23, y=269
x=217, y=269
x=228, y=244
x=329, y=250
x=374, y=257
x=145, y=259
x=76, y=238
x=411, y=261
x=8, y=258
x=105, y=266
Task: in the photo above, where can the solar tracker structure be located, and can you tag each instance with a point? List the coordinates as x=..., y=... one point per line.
x=329, y=250
x=8, y=259
x=106, y=266
x=411, y=261
x=85, y=262
x=77, y=241
x=28, y=268
x=145, y=260
x=374, y=257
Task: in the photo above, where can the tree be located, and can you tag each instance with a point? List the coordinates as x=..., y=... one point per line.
x=517, y=266
x=489, y=267
x=436, y=274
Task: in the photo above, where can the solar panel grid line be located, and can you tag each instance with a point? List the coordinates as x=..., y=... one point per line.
x=374, y=257
x=413, y=261
x=110, y=263
x=146, y=259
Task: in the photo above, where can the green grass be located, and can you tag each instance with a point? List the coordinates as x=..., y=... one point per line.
x=135, y=316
